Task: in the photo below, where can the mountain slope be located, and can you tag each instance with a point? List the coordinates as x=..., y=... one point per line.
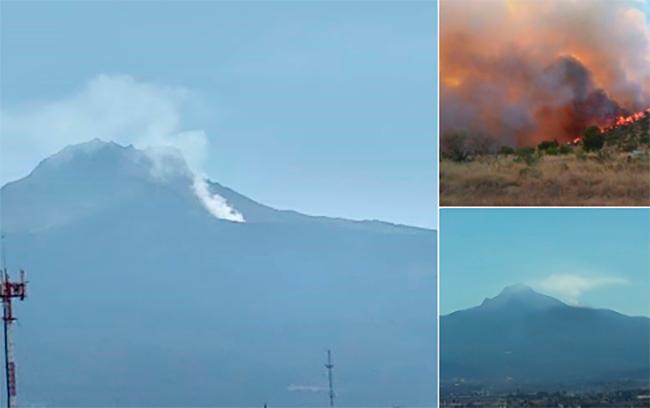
x=521, y=336
x=139, y=296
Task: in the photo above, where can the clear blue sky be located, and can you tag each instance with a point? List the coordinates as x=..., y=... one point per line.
x=591, y=257
x=323, y=107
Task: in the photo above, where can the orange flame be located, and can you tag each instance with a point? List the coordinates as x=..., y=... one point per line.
x=618, y=122
x=627, y=120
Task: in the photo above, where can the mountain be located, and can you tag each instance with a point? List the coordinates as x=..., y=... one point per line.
x=139, y=295
x=524, y=337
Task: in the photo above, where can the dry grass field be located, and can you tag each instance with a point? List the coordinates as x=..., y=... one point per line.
x=608, y=178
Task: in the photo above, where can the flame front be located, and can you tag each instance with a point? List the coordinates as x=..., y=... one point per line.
x=627, y=120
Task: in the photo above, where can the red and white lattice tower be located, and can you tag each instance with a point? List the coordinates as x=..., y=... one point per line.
x=8, y=291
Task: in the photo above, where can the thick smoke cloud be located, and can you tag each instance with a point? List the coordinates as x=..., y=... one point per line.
x=526, y=71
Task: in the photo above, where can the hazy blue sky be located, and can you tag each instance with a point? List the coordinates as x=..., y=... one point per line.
x=323, y=107
x=591, y=257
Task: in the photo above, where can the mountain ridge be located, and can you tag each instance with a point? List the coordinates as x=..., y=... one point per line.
x=523, y=337
x=549, y=300
x=164, y=168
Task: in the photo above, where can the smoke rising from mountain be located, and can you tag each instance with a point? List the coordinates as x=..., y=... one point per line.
x=214, y=203
x=114, y=108
x=526, y=71
x=570, y=287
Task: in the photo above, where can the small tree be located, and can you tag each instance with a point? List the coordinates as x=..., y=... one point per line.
x=593, y=139
x=453, y=145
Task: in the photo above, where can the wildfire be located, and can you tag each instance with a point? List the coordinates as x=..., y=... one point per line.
x=626, y=120
x=522, y=72
x=622, y=120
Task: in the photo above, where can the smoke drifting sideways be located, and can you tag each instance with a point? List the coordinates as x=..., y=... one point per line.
x=525, y=71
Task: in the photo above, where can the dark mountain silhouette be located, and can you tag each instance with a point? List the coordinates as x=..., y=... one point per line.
x=524, y=337
x=139, y=296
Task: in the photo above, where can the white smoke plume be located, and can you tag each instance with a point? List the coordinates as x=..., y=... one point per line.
x=115, y=108
x=214, y=203
x=571, y=287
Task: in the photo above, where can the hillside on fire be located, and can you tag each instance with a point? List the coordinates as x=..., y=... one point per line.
x=605, y=166
x=543, y=104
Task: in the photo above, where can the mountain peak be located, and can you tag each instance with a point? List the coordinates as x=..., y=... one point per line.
x=107, y=159
x=91, y=177
x=96, y=143
x=88, y=148
x=521, y=295
x=516, y=289
x=95, y=151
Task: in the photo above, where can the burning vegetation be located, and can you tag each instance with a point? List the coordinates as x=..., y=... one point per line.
x=522, y=72
x=627, y=120
x=605, y=166
x=544, y=103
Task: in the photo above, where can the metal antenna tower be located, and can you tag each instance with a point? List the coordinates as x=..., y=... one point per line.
x=8, y=291
x=329, y=367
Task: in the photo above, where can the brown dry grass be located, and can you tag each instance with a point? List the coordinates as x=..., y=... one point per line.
x=553, y=181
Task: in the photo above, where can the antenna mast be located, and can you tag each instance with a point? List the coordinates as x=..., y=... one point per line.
x=8, y=291
x=329, y=367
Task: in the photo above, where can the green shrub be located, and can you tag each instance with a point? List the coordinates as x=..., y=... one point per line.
x=548, y=144
x=527, y=155
x=553, y=150
x=565, y=149
x=593, y=139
